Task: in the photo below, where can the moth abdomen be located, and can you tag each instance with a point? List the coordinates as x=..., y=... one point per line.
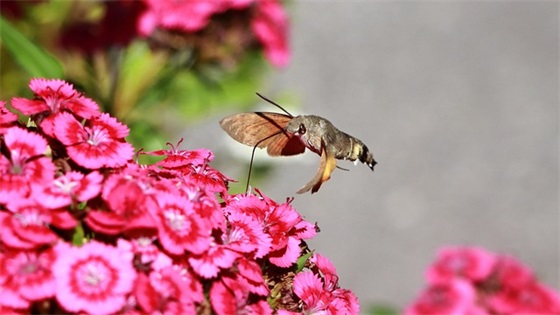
x=360, y=152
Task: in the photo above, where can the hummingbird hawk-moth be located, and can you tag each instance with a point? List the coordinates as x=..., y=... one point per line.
x=285, y=135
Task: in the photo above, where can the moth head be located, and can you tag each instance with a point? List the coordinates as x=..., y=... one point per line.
x=297, y=126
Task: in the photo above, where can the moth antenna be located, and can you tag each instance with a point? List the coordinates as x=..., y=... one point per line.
x=253, y=155
x=342, y=168
x=275, y=104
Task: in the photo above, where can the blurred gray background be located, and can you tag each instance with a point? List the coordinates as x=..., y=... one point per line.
x=459, y=103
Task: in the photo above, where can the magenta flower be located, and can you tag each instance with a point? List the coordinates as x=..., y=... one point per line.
x=67, y=189
x=94, y=278
x=455, y=297
x=228, y=295
x=180, y=229
x=26, y=164
x=99, y=143
x=7, y=118
x=53, y=97
x=189, y=16
x=532, y=298
x=209, y=263
x=28, y=225
x=171, y=290
x=472, y=263
x=27, y=275
x=245, y=235
x=270, y=26
x=309, y=288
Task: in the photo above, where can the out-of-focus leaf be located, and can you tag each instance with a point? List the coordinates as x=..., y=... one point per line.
x=32, y=58
x=302, y=260
x=382, y=310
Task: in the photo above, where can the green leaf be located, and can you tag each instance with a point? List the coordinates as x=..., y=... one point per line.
x=382, y=310
x=78, y=237
x=33, y=59
x=302, y=260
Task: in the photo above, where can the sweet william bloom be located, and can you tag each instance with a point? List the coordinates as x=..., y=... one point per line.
x=7, y=118
x=512, y=273
x=176, y=158
x=180, y=229
x=471, y=263
x=171, y=290
x=229, y=295
x=309, y=288
x=270, y=26
x=98, y=144
x=25, y=164
x=188, y=16
x=51, y=98
x=94, y=278
x=245, y=235
x=453, y=297
x=68, y=188
x=27, y=274
x=532, y=298
x=209, y=263
x=27, y=224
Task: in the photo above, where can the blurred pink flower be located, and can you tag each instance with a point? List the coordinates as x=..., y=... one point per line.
x=94, y=278
x=471, y=263
x=27, y=275
x=270, y=26
x=454, y=297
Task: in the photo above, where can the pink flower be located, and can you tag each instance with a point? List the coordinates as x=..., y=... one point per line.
x=189, y=16
x=180, y=229
x=171, y=290
x=28, y=275
x=270, y=26
x=94, y=278
x=210, y=262
x=7, y=118
x=309, y=288
x=67, y=189
x=27, y=226
x=128, y=194
x=250, y=274
x=245, y=235
x=471, y=263
x=53, y=97
x=100, y=143
x=453, y=297
x=511, y=273
x=228, y=295
x=532, y=298
x=176, y=158
x=26, y=164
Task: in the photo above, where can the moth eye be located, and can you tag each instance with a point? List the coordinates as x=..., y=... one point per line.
x=301, y=129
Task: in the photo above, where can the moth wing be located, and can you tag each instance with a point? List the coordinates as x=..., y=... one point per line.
x=250, y=128
x=285, y=144
x=326, y=167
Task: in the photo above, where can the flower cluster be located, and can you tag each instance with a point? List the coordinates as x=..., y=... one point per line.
x=213, y=28
x=85, y=229
x=473, y=281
